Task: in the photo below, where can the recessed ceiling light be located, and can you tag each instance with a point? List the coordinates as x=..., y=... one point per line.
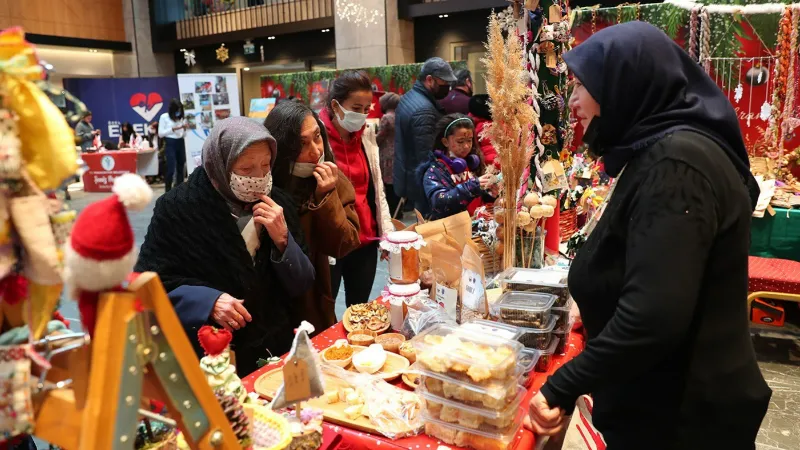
x=271, y=38
x=183, y=49
x=246, y=69
x=326, y=30
x=446, y=16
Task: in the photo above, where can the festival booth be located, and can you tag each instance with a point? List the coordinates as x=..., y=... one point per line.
x=104, y=166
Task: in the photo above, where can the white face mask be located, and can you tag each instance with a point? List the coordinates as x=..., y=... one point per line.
x=352, y=121
x=306, y=170
x=250, y=189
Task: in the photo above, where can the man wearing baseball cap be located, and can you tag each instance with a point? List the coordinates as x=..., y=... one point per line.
x=415, y=125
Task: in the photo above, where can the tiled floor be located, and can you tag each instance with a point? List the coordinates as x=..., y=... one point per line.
x=779, y=356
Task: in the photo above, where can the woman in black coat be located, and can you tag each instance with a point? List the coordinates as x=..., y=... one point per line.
x=662, y=280
x=229, y=248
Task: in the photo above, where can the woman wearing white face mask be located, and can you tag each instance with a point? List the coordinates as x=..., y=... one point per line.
x=229, y=248
x=349, y=101
x=305, y=169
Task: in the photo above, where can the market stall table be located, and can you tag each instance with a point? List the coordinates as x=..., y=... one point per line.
x=335, y=436
x=103, y=167
x=776, y=236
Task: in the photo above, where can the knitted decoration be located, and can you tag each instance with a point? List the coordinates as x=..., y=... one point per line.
x=705, y=40
x=235, y=413
x=216, y=365
x=693, y=33
x=789, y=99
x=779, y=78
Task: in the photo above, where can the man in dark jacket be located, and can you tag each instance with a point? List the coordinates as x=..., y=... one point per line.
x=457, y=101
x=415, y=125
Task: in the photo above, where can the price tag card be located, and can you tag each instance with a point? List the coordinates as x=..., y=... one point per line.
x=554, y=14
x=472, y=296
x=447, y=298
x=296, y=384
x=530, y=5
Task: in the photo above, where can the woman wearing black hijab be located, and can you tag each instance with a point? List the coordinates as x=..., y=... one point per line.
x=662, y=280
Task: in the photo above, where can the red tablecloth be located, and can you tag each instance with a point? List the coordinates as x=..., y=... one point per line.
x=341, y=438
x=774, y=275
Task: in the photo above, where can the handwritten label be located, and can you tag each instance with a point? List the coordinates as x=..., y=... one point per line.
x=472, y=296
x=447, y=298
x=296, y=384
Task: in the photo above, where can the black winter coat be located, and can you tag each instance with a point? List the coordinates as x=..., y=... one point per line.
x=415, y=127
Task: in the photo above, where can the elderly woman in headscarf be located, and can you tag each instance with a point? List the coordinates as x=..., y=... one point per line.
x=228, y=247
x=306, y=169
x=661, y=282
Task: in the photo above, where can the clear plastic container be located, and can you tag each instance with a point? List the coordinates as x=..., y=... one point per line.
x=467, y=355
x=546, y=357
x=459, y=436
x=472, y=417
x=562, y=315
x=536, y=280
x=538, y=338
x=524, y=309
x=491, y=394
x=496, y=329
x=526, y=361
x=563, y=338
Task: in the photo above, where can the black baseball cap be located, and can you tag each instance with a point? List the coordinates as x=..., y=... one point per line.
x=438, y=68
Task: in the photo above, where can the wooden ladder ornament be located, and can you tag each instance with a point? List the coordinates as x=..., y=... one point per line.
x=139, y=352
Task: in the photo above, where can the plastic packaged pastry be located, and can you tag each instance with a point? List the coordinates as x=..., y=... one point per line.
x=496, y=329
x=492, y=394
x=546, y=357
x=563, y=339
x=538, y=338
x=562, y=315
x=459, y=436
x=526, y=361
x=536, y=280
x=476, y=418
x=466, y=355
x=524, y=309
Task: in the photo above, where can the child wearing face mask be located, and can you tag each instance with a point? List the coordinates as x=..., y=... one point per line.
x=453, y=178
x=349, y=101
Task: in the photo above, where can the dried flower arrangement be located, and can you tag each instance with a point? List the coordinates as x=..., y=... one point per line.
x=512, y=114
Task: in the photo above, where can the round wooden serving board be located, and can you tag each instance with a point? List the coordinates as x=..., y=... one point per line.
x=349, y=326
x=392, y=368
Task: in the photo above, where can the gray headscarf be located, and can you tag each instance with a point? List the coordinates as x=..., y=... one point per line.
x=228, y=139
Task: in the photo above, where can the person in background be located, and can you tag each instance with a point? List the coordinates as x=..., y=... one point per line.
x=415, y=127
x=151, y=134
x=128, y=138
x=229, y=248
x=661, y=282
x=345, y=116
x=457, y=101
x=481, y=115
x=85, y=132
x=306, y=169
x=385, y=139
x=453, y=177
x=172, y=128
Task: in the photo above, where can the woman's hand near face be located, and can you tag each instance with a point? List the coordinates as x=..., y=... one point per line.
x=269, y=214
x=230, y=313
x=327, y=174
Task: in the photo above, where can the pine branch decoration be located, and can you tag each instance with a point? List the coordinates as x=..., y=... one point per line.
x=236, y=416
x=512, y=115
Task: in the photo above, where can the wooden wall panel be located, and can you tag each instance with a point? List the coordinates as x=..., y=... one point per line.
x=89, y=19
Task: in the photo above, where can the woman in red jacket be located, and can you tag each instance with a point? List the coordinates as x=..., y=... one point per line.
x=345, y=116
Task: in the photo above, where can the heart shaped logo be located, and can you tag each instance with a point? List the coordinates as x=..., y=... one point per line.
x=148, y=105
x=214, y=340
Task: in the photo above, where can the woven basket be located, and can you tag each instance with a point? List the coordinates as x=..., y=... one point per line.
x=170, y=443
x=568, y=223
x=263, y=419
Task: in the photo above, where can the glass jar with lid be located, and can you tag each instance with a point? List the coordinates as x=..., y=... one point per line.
x=403, y=248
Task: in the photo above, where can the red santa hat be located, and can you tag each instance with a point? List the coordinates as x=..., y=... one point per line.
x=101, y=252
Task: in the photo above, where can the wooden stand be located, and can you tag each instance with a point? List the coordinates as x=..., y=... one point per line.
x=139, y=352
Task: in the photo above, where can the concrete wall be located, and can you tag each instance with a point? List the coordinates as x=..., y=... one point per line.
x=389, y=41
x=142, y=62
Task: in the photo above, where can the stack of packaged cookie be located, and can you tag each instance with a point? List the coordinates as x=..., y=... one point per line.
x=470, y=384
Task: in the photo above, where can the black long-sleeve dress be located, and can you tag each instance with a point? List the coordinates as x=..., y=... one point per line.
x=662, y=286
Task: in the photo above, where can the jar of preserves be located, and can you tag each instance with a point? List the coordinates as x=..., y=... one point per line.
x=403, y=248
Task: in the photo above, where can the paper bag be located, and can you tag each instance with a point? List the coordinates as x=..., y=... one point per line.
x=459, y=227
x=446, y=267
x=581, y=433
x=472, y=299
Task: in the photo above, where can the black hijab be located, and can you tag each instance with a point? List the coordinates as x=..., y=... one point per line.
x=648, y=87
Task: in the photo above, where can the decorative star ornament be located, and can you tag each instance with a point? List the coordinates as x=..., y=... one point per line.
x=738, y=92
x=222, y=53
x=189, y=58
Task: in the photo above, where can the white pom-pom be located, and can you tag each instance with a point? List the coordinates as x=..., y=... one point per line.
x=132, y=191
x=305, y=326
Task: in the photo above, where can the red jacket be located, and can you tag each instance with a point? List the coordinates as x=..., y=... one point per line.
x=352, y=163
x=489, y=152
